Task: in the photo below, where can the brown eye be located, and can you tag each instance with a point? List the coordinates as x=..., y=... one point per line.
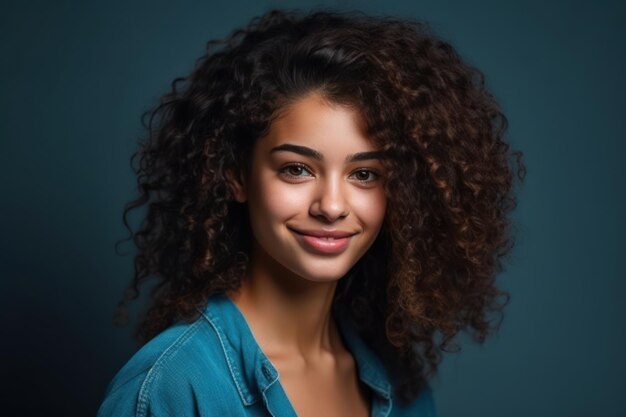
x=296, y=170
x=365, y=175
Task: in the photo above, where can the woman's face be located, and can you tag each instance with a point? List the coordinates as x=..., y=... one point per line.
x=315, y=191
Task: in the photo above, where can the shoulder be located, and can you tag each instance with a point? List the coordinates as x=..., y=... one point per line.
x=422, y=406
x=173, y=374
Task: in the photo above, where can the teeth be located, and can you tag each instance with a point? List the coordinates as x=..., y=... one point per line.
x=328, y=238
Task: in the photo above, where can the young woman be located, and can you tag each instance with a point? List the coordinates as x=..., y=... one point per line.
x=327, y=199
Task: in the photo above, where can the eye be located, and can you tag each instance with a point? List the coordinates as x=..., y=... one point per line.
x=365, y=175
x=295, y=170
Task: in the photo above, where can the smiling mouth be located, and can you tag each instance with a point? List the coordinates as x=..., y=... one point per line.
x=323, y=242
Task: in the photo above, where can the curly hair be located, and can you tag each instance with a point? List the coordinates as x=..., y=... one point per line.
x=450, y=182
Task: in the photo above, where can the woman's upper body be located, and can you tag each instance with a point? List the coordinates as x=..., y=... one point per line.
x=214, y=366
x=313, y=164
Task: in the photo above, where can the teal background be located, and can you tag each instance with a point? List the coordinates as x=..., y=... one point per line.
x=75, y=77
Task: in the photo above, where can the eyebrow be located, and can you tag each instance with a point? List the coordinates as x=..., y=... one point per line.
x=312, y=153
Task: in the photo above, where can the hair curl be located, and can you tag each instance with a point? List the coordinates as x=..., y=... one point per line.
x=449, y=187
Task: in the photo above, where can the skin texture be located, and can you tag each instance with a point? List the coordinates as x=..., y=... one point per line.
x=288, y=290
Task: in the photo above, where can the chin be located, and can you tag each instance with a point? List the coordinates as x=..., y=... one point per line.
x=323, y=278
x=322, y=273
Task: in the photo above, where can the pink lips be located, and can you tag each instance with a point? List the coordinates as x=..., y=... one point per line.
x=322, y=241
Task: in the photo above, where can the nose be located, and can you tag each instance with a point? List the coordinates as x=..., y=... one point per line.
x=330, y=202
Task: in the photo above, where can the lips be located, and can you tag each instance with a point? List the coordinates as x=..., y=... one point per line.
x=328, y=242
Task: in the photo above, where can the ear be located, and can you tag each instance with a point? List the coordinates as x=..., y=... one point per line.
x=237, y=185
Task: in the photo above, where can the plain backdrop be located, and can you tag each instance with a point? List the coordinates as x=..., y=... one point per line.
x=76, y=76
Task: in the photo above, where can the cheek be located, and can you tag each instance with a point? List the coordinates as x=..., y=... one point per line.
x=370, y=207
x=275, y=199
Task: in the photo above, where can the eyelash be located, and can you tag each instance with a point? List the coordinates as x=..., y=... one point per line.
x=284, y=171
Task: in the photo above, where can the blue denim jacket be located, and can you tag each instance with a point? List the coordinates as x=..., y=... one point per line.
x=214, y=367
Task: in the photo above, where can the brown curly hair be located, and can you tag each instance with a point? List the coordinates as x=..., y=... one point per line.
x=450, y=182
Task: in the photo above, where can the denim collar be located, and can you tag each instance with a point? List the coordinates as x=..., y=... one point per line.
x=253, y=372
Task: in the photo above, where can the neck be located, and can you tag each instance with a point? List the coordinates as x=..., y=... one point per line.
x=289, y=315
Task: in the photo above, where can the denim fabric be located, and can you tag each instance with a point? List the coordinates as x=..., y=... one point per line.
x=214, y=367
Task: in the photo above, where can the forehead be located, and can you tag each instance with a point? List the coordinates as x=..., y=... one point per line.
x=315, y=122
